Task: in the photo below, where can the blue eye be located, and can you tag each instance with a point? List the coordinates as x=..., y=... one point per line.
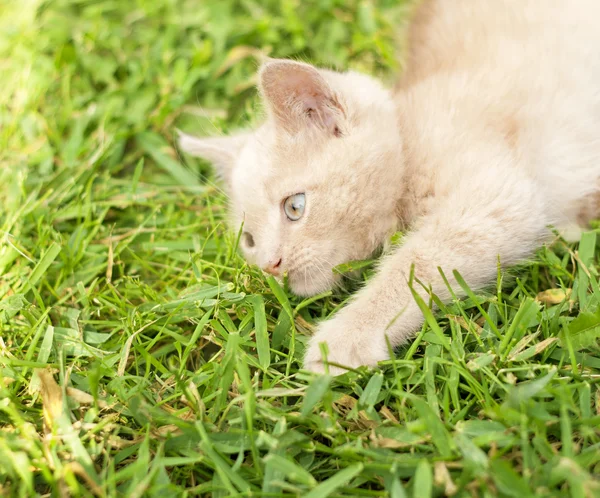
x=293, y=206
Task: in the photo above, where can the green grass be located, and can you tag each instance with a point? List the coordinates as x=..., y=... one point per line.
x=140, y=355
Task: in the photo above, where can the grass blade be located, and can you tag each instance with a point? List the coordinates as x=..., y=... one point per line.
x=156, y=147
x=340, y=479
x=262, y=335
x=314, y=393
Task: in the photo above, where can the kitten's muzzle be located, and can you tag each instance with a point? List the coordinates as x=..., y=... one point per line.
x=273, y=268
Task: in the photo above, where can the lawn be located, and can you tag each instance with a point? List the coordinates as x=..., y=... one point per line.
x=141, y=356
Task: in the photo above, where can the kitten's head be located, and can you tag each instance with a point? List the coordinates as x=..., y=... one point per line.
x=317, y=184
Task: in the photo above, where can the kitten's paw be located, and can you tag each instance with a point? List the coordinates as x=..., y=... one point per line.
x=349, y=343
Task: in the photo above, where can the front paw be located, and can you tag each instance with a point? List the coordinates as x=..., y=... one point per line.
x=350, y=344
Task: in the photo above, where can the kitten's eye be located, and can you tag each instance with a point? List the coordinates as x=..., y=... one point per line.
x=248, y=240
x=293, y=206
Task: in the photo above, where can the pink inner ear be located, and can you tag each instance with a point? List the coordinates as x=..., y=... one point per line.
x=297, y=91
x=319, y=108
x=324, y=115
x=310, y=103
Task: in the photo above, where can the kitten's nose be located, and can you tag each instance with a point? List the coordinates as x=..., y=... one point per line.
x=273, y=267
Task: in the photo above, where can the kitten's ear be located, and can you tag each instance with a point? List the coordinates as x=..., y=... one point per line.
x=222, y=152
x=298, y=95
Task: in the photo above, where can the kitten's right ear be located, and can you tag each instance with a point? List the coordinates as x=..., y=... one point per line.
x=222, y=152
x=298, y=95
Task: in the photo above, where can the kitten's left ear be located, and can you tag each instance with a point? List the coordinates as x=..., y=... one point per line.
x=222, y=152
x=298, y=95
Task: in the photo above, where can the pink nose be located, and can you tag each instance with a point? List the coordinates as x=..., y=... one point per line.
x=274, y=268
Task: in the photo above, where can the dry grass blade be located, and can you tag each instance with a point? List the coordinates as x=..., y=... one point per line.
x=52, y=397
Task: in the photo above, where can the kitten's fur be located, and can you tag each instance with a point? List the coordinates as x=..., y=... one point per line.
x=491, y=136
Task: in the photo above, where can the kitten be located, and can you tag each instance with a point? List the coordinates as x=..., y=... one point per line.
x=491, y=136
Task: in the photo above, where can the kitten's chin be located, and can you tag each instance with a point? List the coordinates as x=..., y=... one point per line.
x=305, y=285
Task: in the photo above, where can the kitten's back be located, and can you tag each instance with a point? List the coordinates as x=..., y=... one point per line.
x=525, y=69
x=461, y=34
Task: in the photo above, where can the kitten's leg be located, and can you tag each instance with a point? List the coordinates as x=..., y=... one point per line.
x=467, y=232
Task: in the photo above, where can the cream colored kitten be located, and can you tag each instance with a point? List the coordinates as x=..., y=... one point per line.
x=491, y=136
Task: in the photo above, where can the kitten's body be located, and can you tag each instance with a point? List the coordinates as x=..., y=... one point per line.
x=525, y=71
x=492, y=135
